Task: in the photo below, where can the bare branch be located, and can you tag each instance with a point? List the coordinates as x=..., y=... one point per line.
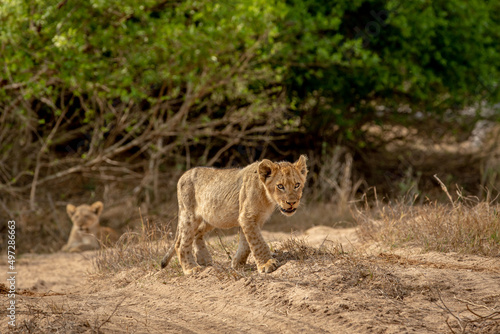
x=39, y=157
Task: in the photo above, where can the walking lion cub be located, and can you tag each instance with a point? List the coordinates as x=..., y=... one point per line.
x=86, y=233
x=225, y=198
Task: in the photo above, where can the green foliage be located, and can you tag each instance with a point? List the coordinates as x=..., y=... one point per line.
x=364, y=56
x=121, y=76
x=432, y=56
x=127, y=49
x=117, y=70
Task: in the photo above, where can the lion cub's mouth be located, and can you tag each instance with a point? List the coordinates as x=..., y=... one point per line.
x=290, y=210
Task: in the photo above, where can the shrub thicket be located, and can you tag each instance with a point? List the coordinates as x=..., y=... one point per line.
x=119, y=88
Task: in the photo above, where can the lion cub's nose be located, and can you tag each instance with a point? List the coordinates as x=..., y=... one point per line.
x=291, y=203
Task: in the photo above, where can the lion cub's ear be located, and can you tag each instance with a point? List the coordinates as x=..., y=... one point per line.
x=301, y=164
x=97, y=207
x=266, y=169
x=70, y=209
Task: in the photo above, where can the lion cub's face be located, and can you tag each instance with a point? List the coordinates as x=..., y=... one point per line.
x=284, y=182
x=85, y=217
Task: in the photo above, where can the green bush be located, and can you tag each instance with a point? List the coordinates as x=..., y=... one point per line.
x=352, y=62
x=87, y=82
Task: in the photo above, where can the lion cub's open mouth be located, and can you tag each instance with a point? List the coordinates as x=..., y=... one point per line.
x=290, y=210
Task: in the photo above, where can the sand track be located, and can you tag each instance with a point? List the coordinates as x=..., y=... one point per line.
x=375, y=291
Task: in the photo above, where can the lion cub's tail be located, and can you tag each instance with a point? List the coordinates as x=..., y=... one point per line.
x=170, y=252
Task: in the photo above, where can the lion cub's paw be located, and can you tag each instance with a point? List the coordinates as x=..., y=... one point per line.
x=268, y=267
x=204, y=261
x=193, y=270
x=237, y=264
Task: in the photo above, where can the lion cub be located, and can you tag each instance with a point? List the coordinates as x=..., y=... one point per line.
x=86, y=233
x=225, y=198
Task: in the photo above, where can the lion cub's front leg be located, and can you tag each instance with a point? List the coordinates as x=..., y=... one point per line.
x=259, y=248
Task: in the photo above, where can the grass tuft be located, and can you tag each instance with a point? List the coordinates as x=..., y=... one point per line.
x=143, y=250
x=465, y=225
x=296, y=248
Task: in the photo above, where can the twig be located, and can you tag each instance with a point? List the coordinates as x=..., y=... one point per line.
x=225, y=250
x=11, y=215
x=445, y=308
x=490, y=316
x=222, y=150
x=444, y=189
x=112, y=313
x=471, y=303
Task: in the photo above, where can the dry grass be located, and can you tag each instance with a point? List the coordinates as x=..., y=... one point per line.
x=352, y=270
x=42, y=315
x=59, y=317
x=297, y=248
x=143, y=249
x=465, y=225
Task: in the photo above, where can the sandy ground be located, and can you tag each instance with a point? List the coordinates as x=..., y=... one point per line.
x=366, y=290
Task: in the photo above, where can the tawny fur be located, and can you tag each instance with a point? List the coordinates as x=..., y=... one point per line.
x=87, y=233
x=223, y=198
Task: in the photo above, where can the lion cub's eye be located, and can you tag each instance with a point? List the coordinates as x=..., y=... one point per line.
x=280, y=186
x=297, y=185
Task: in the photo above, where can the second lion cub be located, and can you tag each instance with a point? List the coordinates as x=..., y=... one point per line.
x=225, y=198
x=86, y=233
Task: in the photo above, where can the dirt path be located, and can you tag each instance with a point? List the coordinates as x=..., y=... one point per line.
x=361, y=292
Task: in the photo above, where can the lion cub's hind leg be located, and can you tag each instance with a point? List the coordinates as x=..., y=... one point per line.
x=203, y=256
x=188, y=226
x=241, y=256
